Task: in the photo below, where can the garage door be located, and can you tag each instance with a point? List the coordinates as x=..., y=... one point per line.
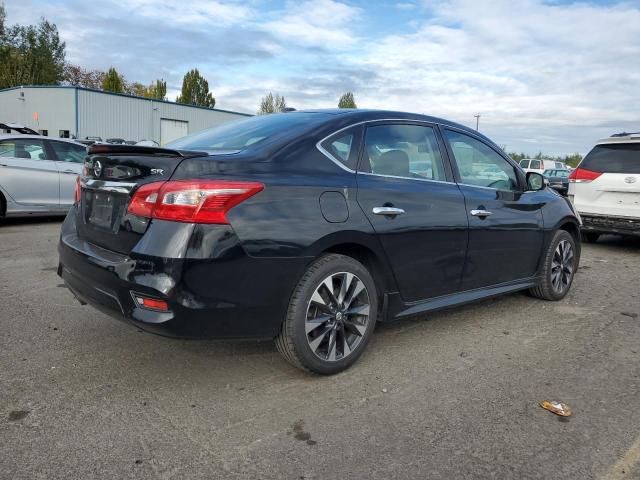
x=170, y=130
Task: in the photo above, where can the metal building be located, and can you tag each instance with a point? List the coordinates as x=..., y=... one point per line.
x=60, y=111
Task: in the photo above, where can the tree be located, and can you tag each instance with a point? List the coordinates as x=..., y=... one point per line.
x=113, y=81
x=158, y=90
x=347, y=101
x=77, y=76
x=31, y=54
x=195, y=90
x=272, y=104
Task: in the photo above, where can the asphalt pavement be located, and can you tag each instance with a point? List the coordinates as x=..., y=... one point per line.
x=453, y=395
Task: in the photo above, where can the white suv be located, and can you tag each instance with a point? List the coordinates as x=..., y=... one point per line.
x=539, y=165
x=605, y=187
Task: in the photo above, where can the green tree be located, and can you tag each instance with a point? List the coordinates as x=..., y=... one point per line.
x=158, y=90
x=195, y=90
x=31, y=54
x=272, y=104
x=347, y=101
x=113, y=81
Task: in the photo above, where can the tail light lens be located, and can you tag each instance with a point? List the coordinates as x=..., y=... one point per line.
x=77, y=192
x=582, y=175
x=194, y=201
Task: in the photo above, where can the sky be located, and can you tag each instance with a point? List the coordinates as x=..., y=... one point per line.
x=551, y=76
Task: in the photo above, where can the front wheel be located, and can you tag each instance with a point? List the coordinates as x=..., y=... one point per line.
x=331, y=316
x=560, y=265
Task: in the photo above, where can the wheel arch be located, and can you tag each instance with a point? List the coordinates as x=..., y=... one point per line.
x=363, y=248
x=3, y=205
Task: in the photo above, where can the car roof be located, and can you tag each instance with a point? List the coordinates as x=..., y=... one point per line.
x=20, y=136
x=363, y=115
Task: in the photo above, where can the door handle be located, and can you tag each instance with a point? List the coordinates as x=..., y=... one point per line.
x=3, y=165
x=387, y=211
x=70, y=172
x=480, y=213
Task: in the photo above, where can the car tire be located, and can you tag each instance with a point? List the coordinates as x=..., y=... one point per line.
x=590, y=237
x=331, y=316
x=559, y=268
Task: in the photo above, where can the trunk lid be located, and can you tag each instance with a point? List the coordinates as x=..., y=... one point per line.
x=111, y=174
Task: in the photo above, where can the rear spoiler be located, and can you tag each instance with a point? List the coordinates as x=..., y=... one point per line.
x=104, y=148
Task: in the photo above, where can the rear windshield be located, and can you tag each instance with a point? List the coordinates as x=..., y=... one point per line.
x=613, y=158
x=245, y=133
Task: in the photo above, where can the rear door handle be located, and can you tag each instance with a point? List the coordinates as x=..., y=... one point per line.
x=70, y=172
x=480, y=213
x=387, y=211
x=3, y=165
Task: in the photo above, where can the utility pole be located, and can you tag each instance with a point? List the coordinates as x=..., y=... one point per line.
x=477, y=117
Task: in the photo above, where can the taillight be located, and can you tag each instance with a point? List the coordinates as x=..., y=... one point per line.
x=194, y=201
x=582, y=175
x=77, y=192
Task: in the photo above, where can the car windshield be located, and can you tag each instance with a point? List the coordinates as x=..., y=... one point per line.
x=242, y=134
x=613, y=158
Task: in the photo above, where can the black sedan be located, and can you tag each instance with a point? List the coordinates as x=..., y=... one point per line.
x=310, y=227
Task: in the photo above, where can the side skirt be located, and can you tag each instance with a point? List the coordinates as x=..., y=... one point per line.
x=397, y=309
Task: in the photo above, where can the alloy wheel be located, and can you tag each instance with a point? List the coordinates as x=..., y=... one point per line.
x=337, y=316
x=562, y=266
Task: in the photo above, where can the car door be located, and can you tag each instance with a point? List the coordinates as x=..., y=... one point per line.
x=70, y=161
x=28, y=174
x=505, y=221
x=406, y=189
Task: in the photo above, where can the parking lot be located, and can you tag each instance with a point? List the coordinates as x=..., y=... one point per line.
x=453, y=395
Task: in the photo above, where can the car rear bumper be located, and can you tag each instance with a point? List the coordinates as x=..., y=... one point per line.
x=237, y=297
x=609, y=224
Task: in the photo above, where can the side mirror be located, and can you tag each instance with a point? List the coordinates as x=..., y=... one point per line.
x=535, y=181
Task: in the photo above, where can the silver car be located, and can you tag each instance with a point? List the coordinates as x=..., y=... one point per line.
x=38, y=174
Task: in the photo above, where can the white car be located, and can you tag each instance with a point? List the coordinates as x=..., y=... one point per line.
x=605, y=187
x=539, y=165
x=38, y=174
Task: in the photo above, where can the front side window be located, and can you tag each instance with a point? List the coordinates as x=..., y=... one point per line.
x=23, y=148
x=408, y=151
x=524, y=163
x=69, y=152
x=479, y=164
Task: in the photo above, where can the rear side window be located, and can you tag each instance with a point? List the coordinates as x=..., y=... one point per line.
x=535, y=164
x=23, y=148
x=524, y=163
x=407, y=151
x=613, y=158
x=343, y=147
x=69, y=152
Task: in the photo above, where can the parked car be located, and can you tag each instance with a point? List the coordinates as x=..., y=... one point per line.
x=9, y=128
x=605, y=187
x=116, y=141
x=309, y=227
x=540, y=165
x=558, y=179
x=38, y=174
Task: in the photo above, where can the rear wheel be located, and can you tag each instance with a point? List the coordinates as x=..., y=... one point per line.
x=331, y=316
x=590, y=237
x=560, y=265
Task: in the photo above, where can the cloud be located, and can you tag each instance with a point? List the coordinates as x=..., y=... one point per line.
x=325, y=23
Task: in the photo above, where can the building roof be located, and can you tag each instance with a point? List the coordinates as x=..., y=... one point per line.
x=93, y=90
